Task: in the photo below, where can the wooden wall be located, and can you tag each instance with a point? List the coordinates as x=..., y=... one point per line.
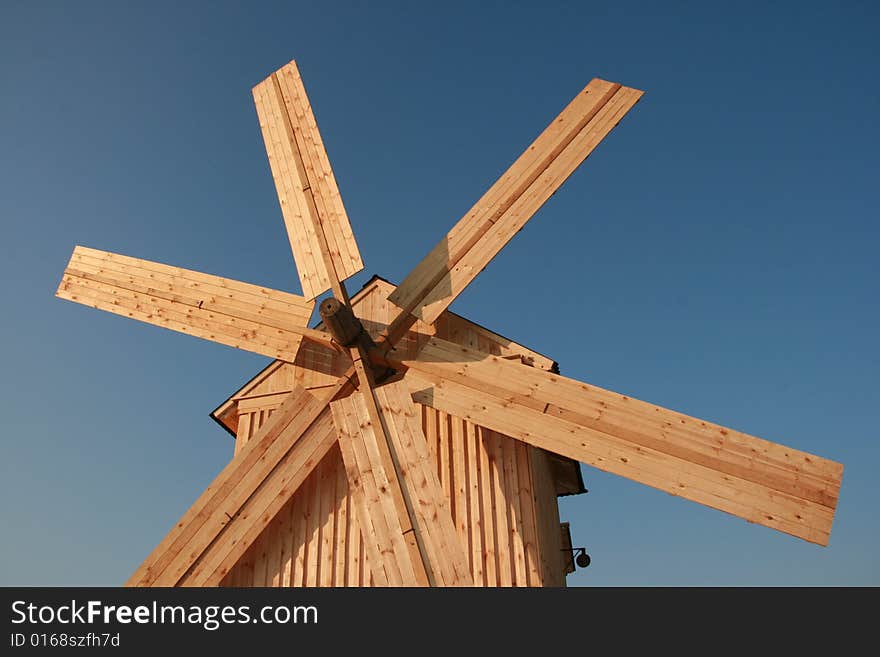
x=501, y=493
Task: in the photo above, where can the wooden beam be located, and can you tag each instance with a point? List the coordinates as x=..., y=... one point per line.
x=264, y=463
x=236, y=314
x=441, y=545
x=512, y=200
x=317, y=225
x=755, y=479
x=396, y=428
x=263, y=505
x=371, y=484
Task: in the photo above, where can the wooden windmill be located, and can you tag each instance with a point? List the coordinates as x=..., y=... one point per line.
x=396, y=443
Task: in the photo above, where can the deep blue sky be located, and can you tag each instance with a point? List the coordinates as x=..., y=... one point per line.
x=716, y=255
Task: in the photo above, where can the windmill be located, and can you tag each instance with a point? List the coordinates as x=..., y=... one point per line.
x=433, y=428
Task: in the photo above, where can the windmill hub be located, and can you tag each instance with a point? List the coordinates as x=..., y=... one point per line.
x=342, y=323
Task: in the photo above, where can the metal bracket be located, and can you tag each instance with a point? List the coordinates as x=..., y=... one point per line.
x=579, y=556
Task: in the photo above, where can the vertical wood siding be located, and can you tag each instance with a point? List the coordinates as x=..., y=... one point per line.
x=501, y=495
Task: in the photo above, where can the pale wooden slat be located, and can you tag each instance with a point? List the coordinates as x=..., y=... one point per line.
x=291, y=80
x=287, y=548
x=230, y=331
x=289, y=178
x=459, y=483
x=391, y=466
x=262, y=507
x=327, y=491
x=529, y=514
x=433, y=519
x=341, y=528
x=726, y=450
x=288, y=88
x=514, y=512
x=313, y=531
x=426, y=282
x=487, y=506
x=698, y=483
x=368, y=482
x=231, y=288
x=466, y=268
x=283, y=305
x=223, y=499
x=185, y=294
x=499, y=507
x=475, y=521
x=307, y=190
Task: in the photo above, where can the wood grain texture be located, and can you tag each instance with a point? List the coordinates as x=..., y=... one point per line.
x=505, y=208
x=317, y=224
x=536, y=501
x=270, y=464
x=240, y=315
x=749, y=477
x=371, y=480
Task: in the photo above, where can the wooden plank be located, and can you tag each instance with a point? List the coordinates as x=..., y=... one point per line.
x=487, y=504
x=300, y=536
x=288, y=87
x=313, y=531
x=514, y=512
x=341, y=531
x=328, y=518
x=547, y=512
x=502, y=231
x=184, y=297
x=475, y=521
x=432, y=518
x=194, y=287
x=215, y=495
x=329, y=190
x=226, y=495
x=387, y=550
x=212, y=285
x=459, y=484
x=499, y=509
x=288, y=546
x=513, y=199
x=289, y=178
x=261, y=559
x=617, y=454
x=730, y=452
x=529, y=514
x=244, y=431
x=263, y=506
x=307, y=190
x=230, y=331
x=391, y=467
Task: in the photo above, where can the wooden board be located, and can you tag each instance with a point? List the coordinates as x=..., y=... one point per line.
x=431, y=517
x=513, y=199
x=240, y=315
x=535, y=503
x=272, y=463
x=428, y=509
x=755, y=479
x=317, y=224
x=371, y=483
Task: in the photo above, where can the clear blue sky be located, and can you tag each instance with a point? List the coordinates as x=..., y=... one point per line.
x=716, y=255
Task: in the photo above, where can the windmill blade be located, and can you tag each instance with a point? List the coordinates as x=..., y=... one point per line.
x=760, y=481
x=317, y=225
x=247, y=494
x=381, y=454
x=240, y=315
x=513, y=199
